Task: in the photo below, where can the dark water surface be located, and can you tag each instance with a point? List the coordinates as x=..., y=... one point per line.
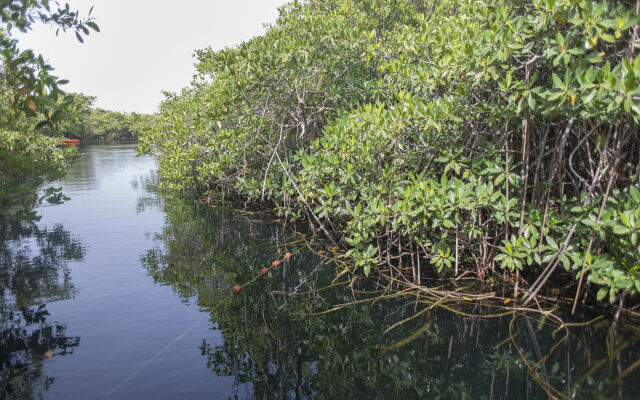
x=120, y=293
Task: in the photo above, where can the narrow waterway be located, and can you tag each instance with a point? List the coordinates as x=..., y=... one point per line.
x=121, y=293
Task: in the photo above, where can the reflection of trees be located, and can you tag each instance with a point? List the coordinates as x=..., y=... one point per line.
x=100, y=159
x=33, y=271
x=149, y=198
x=271, y=343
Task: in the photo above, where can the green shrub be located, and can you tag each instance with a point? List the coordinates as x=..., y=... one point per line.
x=458, y=134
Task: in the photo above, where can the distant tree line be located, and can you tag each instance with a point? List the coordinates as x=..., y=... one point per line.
x=89, y=123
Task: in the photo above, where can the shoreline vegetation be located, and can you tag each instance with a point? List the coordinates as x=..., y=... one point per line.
x=458, y=138
x=36, y=114
x=33, y=149
x=32, y=103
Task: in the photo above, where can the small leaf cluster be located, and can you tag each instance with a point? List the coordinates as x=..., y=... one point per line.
x=34, y=89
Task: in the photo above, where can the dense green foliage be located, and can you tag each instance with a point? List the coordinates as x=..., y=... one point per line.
x=106, y=125
x=26, y=161
x=31, y=102
x=457, y=134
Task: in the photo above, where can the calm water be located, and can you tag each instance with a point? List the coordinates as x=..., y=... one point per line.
x=120, y=293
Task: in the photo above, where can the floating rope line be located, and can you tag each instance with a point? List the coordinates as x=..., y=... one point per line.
x=183, y=334
x=149, y=361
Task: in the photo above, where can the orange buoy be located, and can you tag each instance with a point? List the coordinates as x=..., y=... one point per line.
x=265, y=270
x=237, y=289
x=287, y=255
x=276, y=263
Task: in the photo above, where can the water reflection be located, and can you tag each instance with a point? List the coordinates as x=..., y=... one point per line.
x=273, y=347
x=33, y=272
x=95, y=164
x=148, y=197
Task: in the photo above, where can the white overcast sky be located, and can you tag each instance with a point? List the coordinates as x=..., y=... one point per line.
x=145, y=46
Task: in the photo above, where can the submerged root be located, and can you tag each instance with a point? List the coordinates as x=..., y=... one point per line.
x=460, y=300
x=471, y=300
